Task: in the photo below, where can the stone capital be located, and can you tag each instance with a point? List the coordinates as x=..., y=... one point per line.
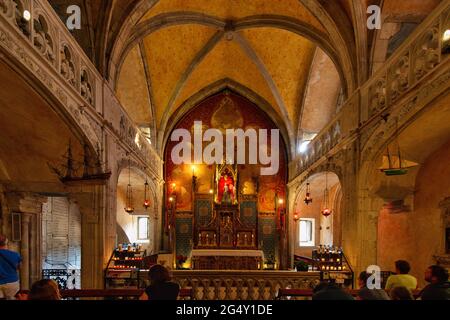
x=26, y=202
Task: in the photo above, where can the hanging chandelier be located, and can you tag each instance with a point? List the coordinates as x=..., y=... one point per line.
x=146, y=200
x=326, y=211
x=129, y=203
x=308, y=198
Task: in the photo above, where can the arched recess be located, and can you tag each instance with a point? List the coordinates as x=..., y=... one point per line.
x=400, y=216
x=36, y=133
x=212, y=89
x=130, y=173
x=33, y=127
x=326, y=230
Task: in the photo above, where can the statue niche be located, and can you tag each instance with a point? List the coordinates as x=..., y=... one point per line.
x=226, y=185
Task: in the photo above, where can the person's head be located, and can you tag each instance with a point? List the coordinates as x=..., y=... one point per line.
x=44, y=289
x=320, y=287
x=3, y=241
x=362, y=279
x=402, y=267
x=159, y=274
x=436, y=274
x=324, y=286
x=401, y=293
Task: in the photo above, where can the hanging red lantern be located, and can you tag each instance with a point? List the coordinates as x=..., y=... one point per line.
x=146, y=201
x=308, y=198
x=326, y=211
x=129, y=199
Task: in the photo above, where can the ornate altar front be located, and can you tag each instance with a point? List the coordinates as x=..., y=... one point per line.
x=222, y=240
x=227, y=259
x=226, y=231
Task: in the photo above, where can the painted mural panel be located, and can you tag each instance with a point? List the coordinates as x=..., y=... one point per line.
x=225, y=111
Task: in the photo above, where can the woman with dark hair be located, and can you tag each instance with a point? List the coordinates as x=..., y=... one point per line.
x=365, y=293
x=401, y=293
x=45, y=289
x=160, y=288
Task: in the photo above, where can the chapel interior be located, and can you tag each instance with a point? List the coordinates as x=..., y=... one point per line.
x=92, y=115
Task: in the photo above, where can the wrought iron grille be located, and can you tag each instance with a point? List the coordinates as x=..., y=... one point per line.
x=66, y=278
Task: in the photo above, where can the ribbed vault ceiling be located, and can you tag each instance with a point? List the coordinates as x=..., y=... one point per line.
x=166, y=63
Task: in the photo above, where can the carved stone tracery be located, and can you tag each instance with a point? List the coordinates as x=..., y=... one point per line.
x=426, y=53
x=86, y=87
x=67, y=65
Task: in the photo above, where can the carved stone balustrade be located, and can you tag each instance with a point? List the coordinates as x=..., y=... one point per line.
x=413, y=76
x=242, y=285
x=44, y=50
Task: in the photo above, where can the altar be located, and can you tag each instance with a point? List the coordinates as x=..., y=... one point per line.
x=203, y=259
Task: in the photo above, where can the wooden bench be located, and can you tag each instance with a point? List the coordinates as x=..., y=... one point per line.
x=113, y=293
x=282, y=293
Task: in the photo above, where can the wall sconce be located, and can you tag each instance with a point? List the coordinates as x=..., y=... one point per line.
x=194, y=180
x=446, y=36
x=296, y=217
x=27, y=15
x=446, y=42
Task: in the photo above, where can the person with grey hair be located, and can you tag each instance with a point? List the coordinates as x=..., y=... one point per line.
x=9, y=265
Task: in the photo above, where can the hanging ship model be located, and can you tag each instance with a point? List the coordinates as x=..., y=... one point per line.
x=395, y=165
x=93, y=172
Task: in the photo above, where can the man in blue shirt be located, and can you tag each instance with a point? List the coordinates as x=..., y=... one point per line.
x=9, y=264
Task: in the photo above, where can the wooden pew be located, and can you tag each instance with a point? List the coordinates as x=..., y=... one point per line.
x=282, y=293
x=113, y=293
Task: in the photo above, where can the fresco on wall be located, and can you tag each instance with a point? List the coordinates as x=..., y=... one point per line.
x=226, y=111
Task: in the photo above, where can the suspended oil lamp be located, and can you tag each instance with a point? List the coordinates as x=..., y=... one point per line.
x=326, y=211
x=146, y=200
x=308, y=198
x=129, y=204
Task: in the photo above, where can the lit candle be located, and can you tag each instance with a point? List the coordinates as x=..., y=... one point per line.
x=446, y=36
x=27, y=15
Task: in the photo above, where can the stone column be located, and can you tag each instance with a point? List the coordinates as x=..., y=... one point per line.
x=94, y=235
x=30, y=207
x=25, y=251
